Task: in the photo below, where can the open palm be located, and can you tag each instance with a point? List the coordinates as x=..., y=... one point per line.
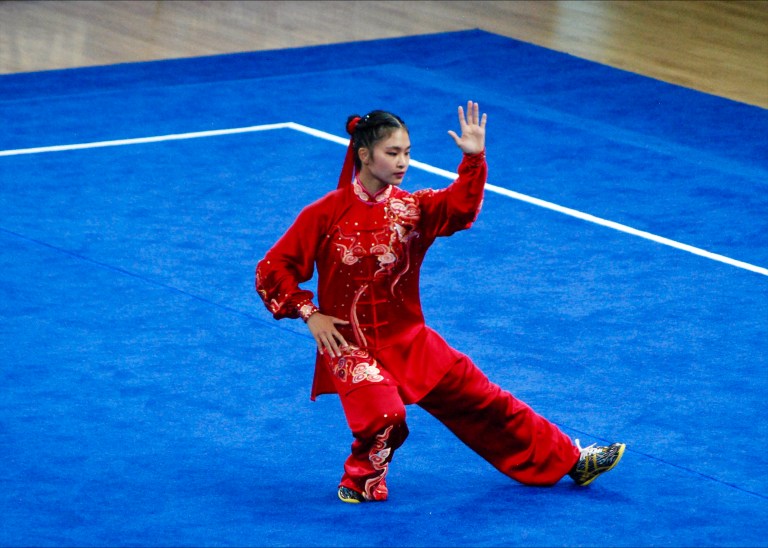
x=472, y=139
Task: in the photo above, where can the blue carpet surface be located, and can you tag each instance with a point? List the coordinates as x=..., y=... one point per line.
x=150, y=400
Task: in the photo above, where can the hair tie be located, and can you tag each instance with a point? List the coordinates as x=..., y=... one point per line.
x=348, y=168
x=352, y=124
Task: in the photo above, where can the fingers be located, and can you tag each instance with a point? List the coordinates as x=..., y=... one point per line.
x=327, y=337
x=472, y=137
x=472, y=117
x=333, y=343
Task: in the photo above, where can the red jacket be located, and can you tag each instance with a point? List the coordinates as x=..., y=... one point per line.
x=368, y=251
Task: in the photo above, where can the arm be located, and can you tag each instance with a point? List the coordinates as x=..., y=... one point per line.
x=457, y=206
x=289, y=263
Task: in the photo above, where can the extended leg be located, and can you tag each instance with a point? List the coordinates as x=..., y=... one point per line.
x=500, y=428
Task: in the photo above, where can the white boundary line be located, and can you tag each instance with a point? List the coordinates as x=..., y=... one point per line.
x=419, y=165
x=141, y=140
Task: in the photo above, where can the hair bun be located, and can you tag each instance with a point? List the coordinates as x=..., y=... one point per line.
x=352, y=123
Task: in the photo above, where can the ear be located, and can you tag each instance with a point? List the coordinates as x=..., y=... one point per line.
x=364, y=154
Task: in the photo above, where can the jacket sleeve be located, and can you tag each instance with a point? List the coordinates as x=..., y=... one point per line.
x=457, y=206
x=289, y=263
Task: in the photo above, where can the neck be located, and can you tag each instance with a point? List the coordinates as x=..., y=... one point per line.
x=371, y=184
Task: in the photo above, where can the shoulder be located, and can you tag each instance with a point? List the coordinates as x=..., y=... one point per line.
x=416, y=195
x=325, y=202
x=319, y=213
x=425, y=193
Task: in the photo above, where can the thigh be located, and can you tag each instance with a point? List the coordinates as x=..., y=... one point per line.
x=369, y=395
x=465, y=390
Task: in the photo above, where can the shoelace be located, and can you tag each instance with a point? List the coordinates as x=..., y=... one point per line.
x=588, y=450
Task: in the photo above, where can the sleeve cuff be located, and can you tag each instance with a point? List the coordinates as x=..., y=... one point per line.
x=475, y=159
x=306, y=309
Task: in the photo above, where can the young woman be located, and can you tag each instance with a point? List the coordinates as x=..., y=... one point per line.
x=367, y=240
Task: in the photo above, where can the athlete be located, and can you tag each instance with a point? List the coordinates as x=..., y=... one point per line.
x=367, y=240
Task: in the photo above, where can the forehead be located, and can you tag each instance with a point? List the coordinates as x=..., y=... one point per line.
x=397, y=139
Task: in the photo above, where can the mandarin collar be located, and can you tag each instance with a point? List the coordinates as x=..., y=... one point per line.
x=365, y=196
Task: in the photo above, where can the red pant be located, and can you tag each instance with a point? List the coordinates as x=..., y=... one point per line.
x=500, y=428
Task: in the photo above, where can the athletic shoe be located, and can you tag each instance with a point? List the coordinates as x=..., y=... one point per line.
x=595, y=460
x=351, y=496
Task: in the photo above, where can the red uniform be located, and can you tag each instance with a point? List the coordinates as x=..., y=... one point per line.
x=368, y=251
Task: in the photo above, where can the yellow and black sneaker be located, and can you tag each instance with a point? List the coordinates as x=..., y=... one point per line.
x=595, y=460
x=350, y=495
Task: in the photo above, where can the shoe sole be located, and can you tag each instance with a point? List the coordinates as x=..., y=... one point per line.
x=611, y=467
x=348, y=500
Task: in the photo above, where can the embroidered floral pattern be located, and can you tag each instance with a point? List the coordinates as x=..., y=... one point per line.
x=361, y=193
x=403, y=215
x=379, y=456
x=357, y=366
x=350, y=248
x=366, y=372
x=306, y=310
x=390, y=243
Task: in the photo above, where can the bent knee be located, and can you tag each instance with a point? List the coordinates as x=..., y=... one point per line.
x=389, y=419
x=372, y=409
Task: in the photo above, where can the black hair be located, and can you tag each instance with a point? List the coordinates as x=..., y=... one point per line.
x=372, y=128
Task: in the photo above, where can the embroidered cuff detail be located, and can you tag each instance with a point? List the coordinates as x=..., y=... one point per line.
x=307, y=309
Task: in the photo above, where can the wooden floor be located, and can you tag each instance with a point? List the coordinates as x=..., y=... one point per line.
x=720, y=47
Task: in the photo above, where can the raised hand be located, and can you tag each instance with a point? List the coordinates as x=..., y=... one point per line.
x=472, y=139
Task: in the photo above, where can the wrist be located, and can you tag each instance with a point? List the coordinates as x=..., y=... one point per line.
x=473, y=160
x=306, y=310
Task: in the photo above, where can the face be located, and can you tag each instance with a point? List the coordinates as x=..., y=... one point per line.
x=387, y=163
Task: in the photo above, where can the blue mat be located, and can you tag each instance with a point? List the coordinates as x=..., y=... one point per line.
x=150, y=400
